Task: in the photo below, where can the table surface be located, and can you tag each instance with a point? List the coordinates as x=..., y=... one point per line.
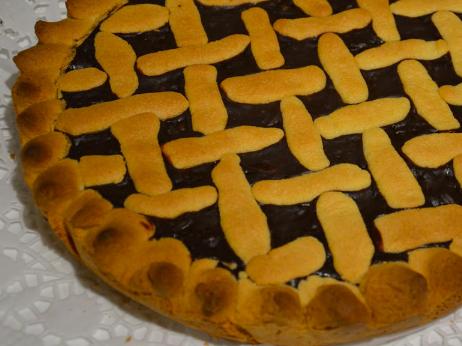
x=46, y=298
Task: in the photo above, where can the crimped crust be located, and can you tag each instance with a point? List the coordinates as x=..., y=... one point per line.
x=160, y=273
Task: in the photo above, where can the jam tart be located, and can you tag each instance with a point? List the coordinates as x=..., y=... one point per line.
x=267, y=171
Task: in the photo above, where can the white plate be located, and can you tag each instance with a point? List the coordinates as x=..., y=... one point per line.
x=46, y=297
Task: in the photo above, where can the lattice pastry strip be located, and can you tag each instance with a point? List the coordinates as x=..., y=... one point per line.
x=82, y=79
x=138, y=141
x=434, y=150
x=155, y=64
x=117, y=58
x=94, y=118
x=417, y=8
x=391, y=53
x=298, y=258
x=263, y=40
x=423, y=91
x=342, y=69
x=359, y=118
x=412, y=228
x=300, y=81
x=383, y=21
x=346, y=234
x=303, y=28
x=314, y=8
x=394, y=179
x=172, y=204
x=227, y=3
x=305, y=188
x=185, y=23
x=303, y=137
x=452, y=94
x=243, y=222
x=208, y=112
x=102, y=169
x=194, y=151
x=136, y=19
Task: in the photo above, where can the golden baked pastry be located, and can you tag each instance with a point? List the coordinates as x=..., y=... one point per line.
x=267, y=171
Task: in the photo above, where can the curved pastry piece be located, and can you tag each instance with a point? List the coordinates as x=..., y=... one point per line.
x=452, y=94
x=208, y=111
x=450, y=27
x=263, y=40
x=243, y=222
x=383, y=21
x=303, y=28
x=298, y=258
x=314, y=8
x=302, y=136
x=342, y=69
x=155, y=64
x=346, y=234
x=138, y=141
x=394, y=179
x=38, y=119
x=172, y=204
x=424, y=93
x=300, y=81
x=31, y=89
x=89, y=9
x=42, y=152
x=359, y=118
x=136, y=19
x=410, y=229
x=67, y=31
x=391, y=53
x=194, y=151
x=82, y=79
x=434, y=150
x=94, y=118
x=102, y=169
x=443, y=271
x=117, y=58
x=185, y=23
x=305, y=188
x=418, y=8
x=394, y=292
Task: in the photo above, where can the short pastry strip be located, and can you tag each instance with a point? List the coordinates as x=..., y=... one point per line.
x=303, y=28
x=391, y=53
x=342, y=69
x=346, y=233
x=314, y=8
x=82, y=79
x=394, y=179
x=450, y=27
x=158, y=63
x=305, y=188
x=194, y=151
x=77, y=121
x=359, y=118
x=185, y=23
x=452, y=94
x=263, y=40
x=138, y=141
x=298, y=258
x=418, y=8
x=136, y=19
x=208, y=111
x=68, y=31
x=383, y=21
x=227, y=3
x=117, y=58
x=88, y=9
x=434, y=150
x=300, y=81
x=243, y=222
x=410, y=229
x=303, y=137
x=172, y=204
x=424, y=93
x=457, y=165
x=102, y=169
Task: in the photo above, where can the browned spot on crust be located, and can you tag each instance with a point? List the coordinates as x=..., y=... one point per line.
x=89, y=215
x=335, y=306
x=215, y=295
x=394, y=292
x=280, y=305
x=166, y=278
